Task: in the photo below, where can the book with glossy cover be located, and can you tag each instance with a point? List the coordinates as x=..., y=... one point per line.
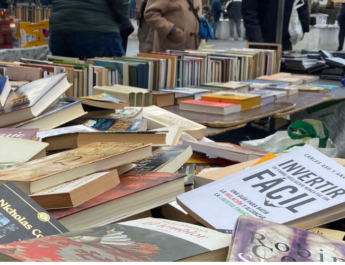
x=28, y=95
x=258, y=240
x=119, y=125
x=21, y=218
x=143, y=240
x=130, y=183
x=160, y=157
x=303, y=188
x=27, y=134
x=218, y=105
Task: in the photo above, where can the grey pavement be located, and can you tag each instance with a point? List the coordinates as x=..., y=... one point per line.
x=133, y=45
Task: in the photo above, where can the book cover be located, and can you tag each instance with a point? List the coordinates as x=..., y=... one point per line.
x=27, y=134
x=128, y=113
x=65, y=161
x=21, y=218
x=131, y=182
x=119, y=125
x=185, y=90
x=300, y=184
x=229, y=85
x=258, y=240
x=160, y=157
x=28, y=95
x=208, y=104
x=104, y=97
x=143, y=240
x=65, y=130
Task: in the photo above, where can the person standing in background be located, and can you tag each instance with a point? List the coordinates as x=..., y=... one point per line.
x=176, y=27
x=260, y=20
x=234, y=9
x=341, y=22
x=146, y=33
x=87, y=29
x=206, y=13
x=217, y=10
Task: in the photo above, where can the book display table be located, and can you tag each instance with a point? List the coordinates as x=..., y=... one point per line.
x=14, y=55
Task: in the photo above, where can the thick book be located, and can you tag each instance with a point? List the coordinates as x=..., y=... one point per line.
x=16, y=152
x=26, y=134
x=227, y=151
x=30, y=100
x=143, y=240
x=302, y=189
x=165, y=159
x=246, y=100
x=266, y=96
x=21, y=218
x=179, y=97
x=258, y=240
x=75, y=192
x=54, y=116
x=157, y=117
x=117, y=125
x=163, y=98
x=56, y=169
x=136, y=193
x=210, y=107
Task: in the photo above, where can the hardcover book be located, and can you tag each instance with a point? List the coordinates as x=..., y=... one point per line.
x=143, y=240
x=21, y=218
x=258, y=240
x=302, y=189
x=137, y=192
x=118, y=125
x=53, y=170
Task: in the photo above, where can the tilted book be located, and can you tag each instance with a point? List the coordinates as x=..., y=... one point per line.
x=143, y=240
x=262, y=241
x=303, y=189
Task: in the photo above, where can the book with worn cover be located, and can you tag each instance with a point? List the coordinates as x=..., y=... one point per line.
x=53, y=170
x=21, y=218
x=137, y=192
x=258, y=240
x=143, y=240
x=118, y=125
x=26, y=134
x=303, y=189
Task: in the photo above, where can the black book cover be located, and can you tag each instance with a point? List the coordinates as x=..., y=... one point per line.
x=188, y=170
x=21, y=218
x=160, y=157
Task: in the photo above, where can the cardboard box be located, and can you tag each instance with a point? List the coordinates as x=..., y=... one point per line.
x=29, y=34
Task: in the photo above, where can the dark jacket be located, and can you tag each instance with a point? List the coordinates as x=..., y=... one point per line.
x=260, y=20
x=216, y=9
x=94, y=16
x=3, y=4
x=234, y=10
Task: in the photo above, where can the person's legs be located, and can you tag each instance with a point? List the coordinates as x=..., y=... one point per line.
x=232, y=30
x=238, y=27
x=59, y=46
x=215, y=24
x=341, y=37
x=91, y=45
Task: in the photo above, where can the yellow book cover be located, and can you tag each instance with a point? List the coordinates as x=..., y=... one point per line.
x=247, y=101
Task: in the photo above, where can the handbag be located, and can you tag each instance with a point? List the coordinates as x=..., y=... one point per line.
x=205, y=29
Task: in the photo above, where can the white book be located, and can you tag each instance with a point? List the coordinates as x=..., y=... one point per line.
x=303, y=189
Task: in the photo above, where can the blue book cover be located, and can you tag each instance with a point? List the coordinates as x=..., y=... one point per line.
x=3, y=81
x=113, y=66
x=330, y=87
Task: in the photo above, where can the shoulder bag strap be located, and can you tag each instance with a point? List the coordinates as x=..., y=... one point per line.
x=194, y=10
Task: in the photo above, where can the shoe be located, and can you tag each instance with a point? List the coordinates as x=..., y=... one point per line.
x=231, y=39
x=240, y=39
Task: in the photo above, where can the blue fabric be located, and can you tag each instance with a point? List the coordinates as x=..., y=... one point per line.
x=86, y=45
x=216, y=9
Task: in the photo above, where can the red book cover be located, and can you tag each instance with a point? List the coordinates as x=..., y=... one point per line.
x=208, y=103
x=131, y=183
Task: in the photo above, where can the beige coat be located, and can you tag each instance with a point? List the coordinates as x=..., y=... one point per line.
x=162, y=15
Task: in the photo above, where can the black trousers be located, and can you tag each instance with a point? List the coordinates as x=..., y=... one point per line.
x=341, y=37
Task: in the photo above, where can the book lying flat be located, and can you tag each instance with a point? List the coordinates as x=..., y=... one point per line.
x=104, y=101
x=53, y=170
x=21, y=218
x=65, y=130
x=303, y=189
x=246, y=100
x=136, y=193
x=75, y=192
x=210, y=107
x=26, y=134
x=143, y=240
x=258, y=240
